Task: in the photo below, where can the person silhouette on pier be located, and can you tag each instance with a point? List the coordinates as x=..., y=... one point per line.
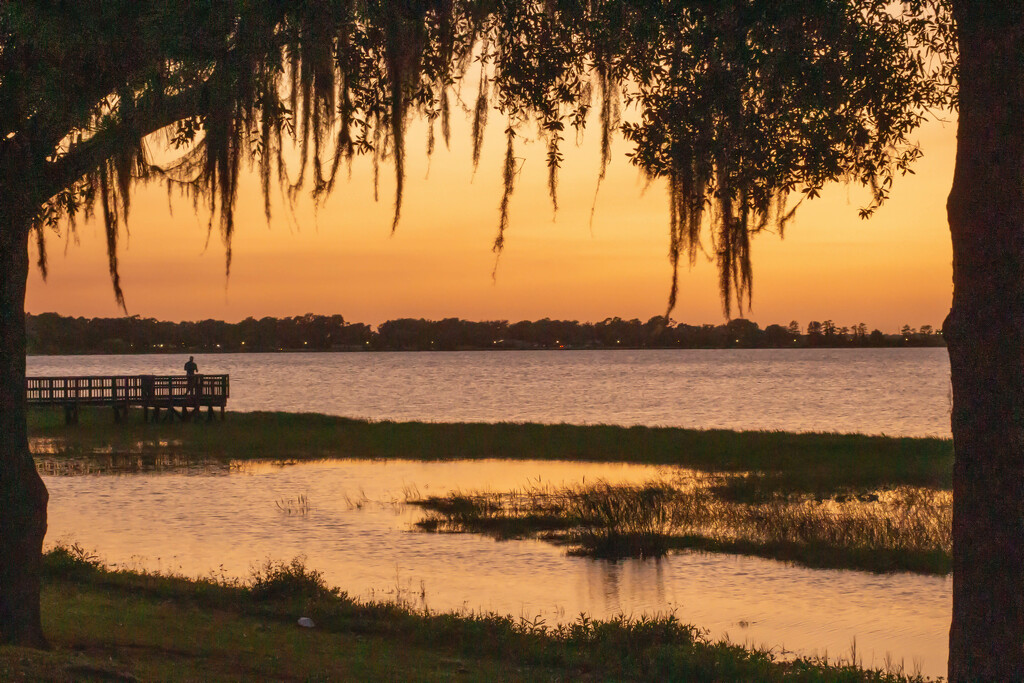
x=190, y=372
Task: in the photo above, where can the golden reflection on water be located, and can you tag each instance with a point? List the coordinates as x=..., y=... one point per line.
x=121, y=463
x=357, y=530
x=548, y=471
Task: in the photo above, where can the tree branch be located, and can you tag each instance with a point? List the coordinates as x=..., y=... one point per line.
x=147, y=119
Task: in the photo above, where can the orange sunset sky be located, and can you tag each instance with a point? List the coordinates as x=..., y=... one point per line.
x=891, y=270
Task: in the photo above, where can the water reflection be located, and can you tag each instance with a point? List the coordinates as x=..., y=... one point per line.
x=358, y=531
x=125, y=463
x=614, y=585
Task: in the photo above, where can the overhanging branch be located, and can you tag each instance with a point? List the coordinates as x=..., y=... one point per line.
x=89, y=155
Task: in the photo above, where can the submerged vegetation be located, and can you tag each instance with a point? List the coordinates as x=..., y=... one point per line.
x=298, y=505
x=905, y=528
x=119, y=625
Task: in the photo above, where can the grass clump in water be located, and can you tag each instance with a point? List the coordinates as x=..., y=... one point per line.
x=517, y=514
x=299, y=505
x=904, y=529
x=600, y=520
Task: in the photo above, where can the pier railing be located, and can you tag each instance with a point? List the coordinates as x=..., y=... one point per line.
x=123, y=391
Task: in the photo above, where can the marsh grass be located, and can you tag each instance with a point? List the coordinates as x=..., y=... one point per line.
x=160, y=627
x=516, y=514
x=815, y=464
x=623, y=521
x=357, y=502
x=902, y=529
x=298, y=505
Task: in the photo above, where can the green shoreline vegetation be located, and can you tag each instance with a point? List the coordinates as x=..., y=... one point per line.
x=826, y=463
x=121, y=625
x=821, y=500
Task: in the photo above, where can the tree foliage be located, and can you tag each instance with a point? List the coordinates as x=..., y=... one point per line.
x=50, y=333
x=736, y=104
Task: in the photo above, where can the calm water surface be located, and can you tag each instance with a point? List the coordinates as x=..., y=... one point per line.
x=359, y=532
x=902, y=392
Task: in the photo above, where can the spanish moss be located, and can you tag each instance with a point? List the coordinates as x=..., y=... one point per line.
x=508, y=180
x=733, y=109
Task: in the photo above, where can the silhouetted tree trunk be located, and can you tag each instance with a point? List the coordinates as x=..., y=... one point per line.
x=23, y=496
x=985, y=334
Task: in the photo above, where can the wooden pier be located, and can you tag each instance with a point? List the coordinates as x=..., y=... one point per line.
x=176, y=394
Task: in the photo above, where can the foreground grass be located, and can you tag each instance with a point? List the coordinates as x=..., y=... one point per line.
x=905, y=529
x=115, y=625
x=820, y=464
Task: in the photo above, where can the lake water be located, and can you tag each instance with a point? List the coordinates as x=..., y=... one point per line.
x=903, y=392
x=359, y=532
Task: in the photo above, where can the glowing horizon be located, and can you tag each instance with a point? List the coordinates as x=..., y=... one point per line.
x=892, y=270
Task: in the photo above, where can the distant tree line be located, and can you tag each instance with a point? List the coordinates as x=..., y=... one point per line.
x=50, y=333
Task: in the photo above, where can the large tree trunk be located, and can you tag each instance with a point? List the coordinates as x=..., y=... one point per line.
x=985, y=334
x=23, y=496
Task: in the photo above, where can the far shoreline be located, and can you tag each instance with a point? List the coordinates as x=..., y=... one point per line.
x=238, y=352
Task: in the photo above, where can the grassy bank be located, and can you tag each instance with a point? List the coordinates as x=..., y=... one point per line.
x=107, y=625
x=822, y=464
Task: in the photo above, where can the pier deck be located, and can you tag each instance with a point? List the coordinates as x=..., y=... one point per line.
x=173, y=393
